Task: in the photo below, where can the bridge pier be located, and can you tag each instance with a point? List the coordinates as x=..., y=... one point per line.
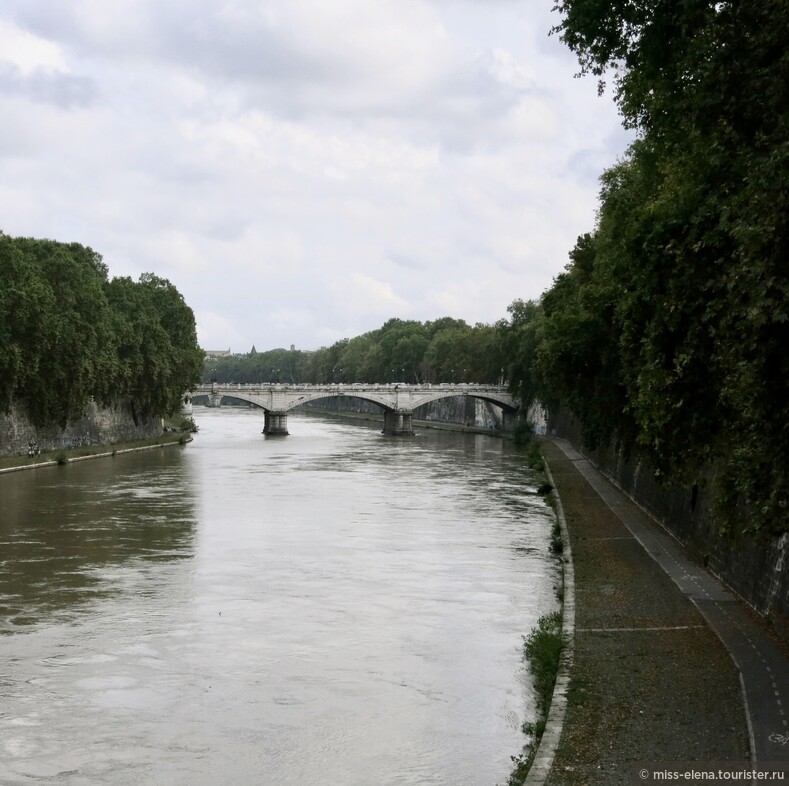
x=275, y=422
x=398, y=400
x=399, y=424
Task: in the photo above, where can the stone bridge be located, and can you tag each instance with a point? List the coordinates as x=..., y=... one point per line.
x=398, y=401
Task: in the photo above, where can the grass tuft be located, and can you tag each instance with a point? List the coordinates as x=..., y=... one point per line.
x=542, y=649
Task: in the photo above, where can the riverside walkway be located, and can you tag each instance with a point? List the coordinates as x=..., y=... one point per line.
x=669, y=667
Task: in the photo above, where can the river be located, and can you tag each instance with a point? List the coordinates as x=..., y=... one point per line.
x=333, y=607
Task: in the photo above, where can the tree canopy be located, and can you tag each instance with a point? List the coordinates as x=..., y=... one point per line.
x=668, y=332
x=68, y=334
x=445, y=350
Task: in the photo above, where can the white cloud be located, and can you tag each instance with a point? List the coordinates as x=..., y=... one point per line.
x=215, y=331
x=28, y=52
x=302, y=170
x=359, y=294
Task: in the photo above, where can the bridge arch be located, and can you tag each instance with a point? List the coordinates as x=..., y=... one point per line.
x=398, y=401
x=506, y=403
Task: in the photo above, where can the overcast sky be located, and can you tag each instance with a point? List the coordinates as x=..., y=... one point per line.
x=303, y=170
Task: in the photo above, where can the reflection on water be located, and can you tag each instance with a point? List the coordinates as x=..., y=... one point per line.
x=61, y=528
x=334, y=606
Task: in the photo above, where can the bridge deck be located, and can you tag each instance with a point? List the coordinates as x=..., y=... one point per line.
x=397, y=399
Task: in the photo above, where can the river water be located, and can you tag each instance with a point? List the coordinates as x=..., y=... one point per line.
x=333, y=607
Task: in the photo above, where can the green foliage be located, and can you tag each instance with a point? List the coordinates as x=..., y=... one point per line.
x=188, y=425
x=521, y=764
x=519, y=339
x=56, y=327
x=446, y=350
x=523, y=433
x=557, y=544
x=535, y=460
x=579, y=358
x=542, y=650
x=156, y=343
x=69, y=335
x=668, y=332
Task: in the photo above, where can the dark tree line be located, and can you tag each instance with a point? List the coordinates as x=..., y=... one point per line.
x=444, y=350
x=668, y=332
x=68, y=334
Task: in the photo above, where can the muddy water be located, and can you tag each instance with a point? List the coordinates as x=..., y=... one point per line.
x=331, y=607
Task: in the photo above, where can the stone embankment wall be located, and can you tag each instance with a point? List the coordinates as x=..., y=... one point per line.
x=98, y=425
x=459, y=410
x=755, y=567
x=462, y=410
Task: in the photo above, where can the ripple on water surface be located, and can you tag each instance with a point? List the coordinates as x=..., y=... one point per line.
x=334, y=607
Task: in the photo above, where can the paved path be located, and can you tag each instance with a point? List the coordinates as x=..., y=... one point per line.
x=764, y=668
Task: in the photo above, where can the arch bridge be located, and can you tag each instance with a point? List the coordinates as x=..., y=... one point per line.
x=398, y=401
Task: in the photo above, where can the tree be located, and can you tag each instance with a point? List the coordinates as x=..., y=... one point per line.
x=73, y=358
x=26, y=303
x=172, y=358
x=70, y=335
x=689, y=268
x=520, y=339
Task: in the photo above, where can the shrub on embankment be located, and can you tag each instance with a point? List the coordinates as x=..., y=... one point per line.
x=542, y=651
x=69, y=335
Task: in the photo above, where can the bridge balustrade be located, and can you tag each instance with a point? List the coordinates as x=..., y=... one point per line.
x=397, y=399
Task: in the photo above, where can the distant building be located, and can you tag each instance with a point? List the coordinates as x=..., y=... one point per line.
x=218, y=353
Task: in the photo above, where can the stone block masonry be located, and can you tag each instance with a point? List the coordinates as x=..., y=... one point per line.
x=98, y=425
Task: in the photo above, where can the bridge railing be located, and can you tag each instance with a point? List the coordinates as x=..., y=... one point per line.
x=357, y=385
